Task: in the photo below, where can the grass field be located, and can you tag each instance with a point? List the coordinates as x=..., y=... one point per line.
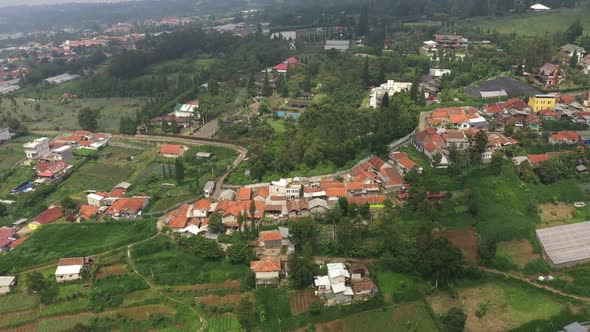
x=223, y=323
x=510, y=305
x=55, y=241
x=535, y=24
x=52, y=115
x=277, y=125
x=170, y=265
x=13, y=302
x=12, y=151
x=411, y=316
x=63, y=323
x=399, y=287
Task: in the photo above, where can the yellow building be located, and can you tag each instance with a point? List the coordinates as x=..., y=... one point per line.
x=542, y=102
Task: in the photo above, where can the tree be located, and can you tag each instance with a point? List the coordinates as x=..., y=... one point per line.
x=174, y=127
x=3, y=210
x=213, y=87
x=179, y=169
x=440, y=260
x=240, y=253
x=302, y=272
x=46, y=289
x=68, y=204
x=203, y=247
x=385, y=100
x=363, y=24
x=266, y=89
x=343, y=206
x=480, y=146
x=365, y=72
x=307, y=82
x=415, y=90
x=215, y=223
x=88, y=119
x=246, y=311
x=454, y=320
x=574, y=59
x=574, y=31
x=127, y=125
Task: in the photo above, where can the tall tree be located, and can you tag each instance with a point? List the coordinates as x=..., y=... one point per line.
x=363, y=24
x=266, y=89
x=365, y=72
x=574, y=31
x=574, y=59
x=480, y=145
x=88, y=119
x=385, y=100
x=179, y=169
x=215, y=223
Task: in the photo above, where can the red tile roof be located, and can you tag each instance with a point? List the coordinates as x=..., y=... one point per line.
x=178, y=218
x=244, y=194
x=537, y=158
x=171, y=149
x=564, y=136
x=336, y=192
x=83, y=133
x=45, y=168
x=266, y=265
x=262, y=192
x=202, y=204
x=566, y=99
x=494, y=109
x=87, y=211
x=19, y=241
x=49, y=215
x=354, y=186
x=376, y=162
x=117, y=192
x=270, y=236
x=375, y=199
x=72, y=261
x=5, y=235
x=130, y=205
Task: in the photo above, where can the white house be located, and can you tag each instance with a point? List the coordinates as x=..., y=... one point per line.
x=7, y=283
x=4, y=134
x=391, y=87
x=539, y=8
x=95, y=200
x=438, y=72
x=69, y=269
x=209, y=188
x=38, y=148
x=187, y=110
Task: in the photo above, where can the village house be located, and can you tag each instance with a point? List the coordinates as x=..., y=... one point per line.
x=7, y=284
x=38, y=148
x=7, y=236
x=55, y=170
x=270, y=239
x=69, y=269
x=187, y=110
x=267, y=271
x=48, y=216
x=542, y=102
x=127, y=207
x=87, y=212
x=318, y=206
x=403, y=163
x=568, y=50
x=209, y=188
x=564, y=137
x=391, y=87
x=172, y=150
x=4, y=135
x=551, y=74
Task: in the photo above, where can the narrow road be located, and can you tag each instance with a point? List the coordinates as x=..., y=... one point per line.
x=547, y=288
x=197, y=142
x=153, y=285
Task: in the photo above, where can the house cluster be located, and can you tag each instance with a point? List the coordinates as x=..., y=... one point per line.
x=113, y=204
x=390, y=88
x=53, y=157
x=183, y=115
x=445, y=44
x=366, y=183
x=344, y=284
x=271, y=249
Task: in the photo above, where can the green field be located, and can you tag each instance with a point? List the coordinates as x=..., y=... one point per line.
x=277, y=125
x=12, y=151
x=53, y=115
x=63, y=323
x=170, y=265
x=224, y=323
x=511, y=304
x=54, y=241
x=399, y=287
x=13, y=302
x=534, y=24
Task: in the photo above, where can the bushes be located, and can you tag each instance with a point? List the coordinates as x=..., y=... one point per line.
x=110, y=292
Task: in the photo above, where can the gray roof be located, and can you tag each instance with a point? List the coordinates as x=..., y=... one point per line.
x=571, y=48
x=341, y=45
x=566, y=243
x=493, y=94
x=511, y=86
x=575, y=327
x=284, y=232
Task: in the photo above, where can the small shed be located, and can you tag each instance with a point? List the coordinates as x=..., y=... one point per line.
x=7, y=283
x=203, y=154
x=209, y=188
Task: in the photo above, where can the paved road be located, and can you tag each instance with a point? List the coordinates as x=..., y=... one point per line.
x=195, y=141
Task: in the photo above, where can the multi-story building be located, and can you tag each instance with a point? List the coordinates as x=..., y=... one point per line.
x=390, y=87
x=38, y=148
x=542, y=102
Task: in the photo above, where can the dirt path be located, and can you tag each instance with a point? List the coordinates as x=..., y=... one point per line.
x=196, y=141
x=547, y=288
x=154, y=286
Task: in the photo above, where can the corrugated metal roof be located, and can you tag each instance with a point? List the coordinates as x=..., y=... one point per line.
x=567, y=243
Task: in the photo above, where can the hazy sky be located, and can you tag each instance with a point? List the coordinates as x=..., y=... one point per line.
x=4, y=3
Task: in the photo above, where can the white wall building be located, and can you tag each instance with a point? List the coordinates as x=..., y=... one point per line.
x=4, y=134
x=439, y=72
x=391, y=87
x=38, y=148
x=7, y=284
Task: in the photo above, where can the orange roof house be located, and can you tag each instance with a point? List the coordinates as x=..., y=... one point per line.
x=127, y=207
x=244, y=194
x=537, y=158
x=87, y=211
x=171, y=150
x=564, y=137
x=266, y=265
x=49, y=215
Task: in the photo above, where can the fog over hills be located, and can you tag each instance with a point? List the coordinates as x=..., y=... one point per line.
x=6, y=3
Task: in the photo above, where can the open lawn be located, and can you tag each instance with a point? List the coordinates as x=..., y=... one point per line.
x=11, y=152
x=534, y=24
x=411, y=316
x=399, y=287
x=510, y=304
x=14, y=302
x=275, y=303
x=302, y=300
x=52, y=115
x=465, y=240
x=276, y=124
x=520, y=252
x=169, y=265
x=54, y=241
